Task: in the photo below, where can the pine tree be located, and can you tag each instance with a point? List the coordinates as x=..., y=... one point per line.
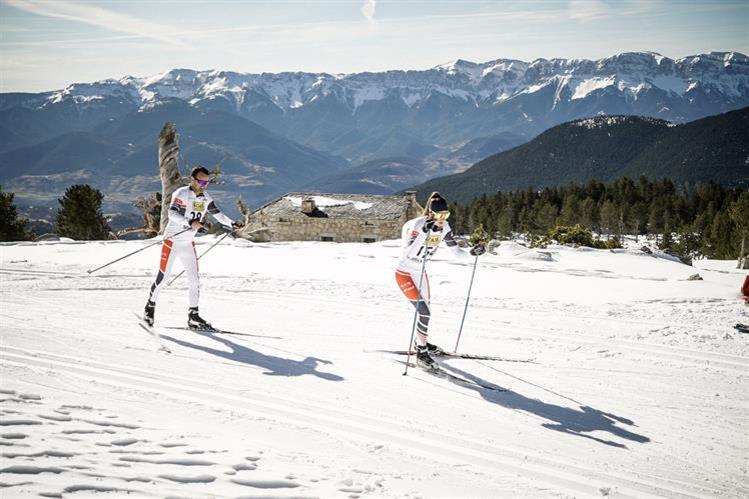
x=589, y=216
x=570, y=213
x=739, y=213
x=655, y=220
x=80, y=217
x=12, y=228
x=609, y=217
x=720, y=243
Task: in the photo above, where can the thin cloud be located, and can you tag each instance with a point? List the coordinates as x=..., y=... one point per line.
x=102, y=18
x=368, y=10
x=588, y=10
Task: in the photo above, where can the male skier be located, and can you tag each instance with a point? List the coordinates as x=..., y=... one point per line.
x=421, y=237
x=187, y=210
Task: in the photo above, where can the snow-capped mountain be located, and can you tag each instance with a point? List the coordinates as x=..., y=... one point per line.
x=349, y=114
x=488, y=83
x=426, y=115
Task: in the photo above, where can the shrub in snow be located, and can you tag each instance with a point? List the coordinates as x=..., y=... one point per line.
x=575, y=236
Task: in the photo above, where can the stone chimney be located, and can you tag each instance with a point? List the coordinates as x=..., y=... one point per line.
x=411, y=198
x=308, y=205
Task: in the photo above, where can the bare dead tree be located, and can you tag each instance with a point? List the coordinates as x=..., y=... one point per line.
x=148, y=206
x=216, y=172
x=254, y=234
x=244, y=210
x=171, y=178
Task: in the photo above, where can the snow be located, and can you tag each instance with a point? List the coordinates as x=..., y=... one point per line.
x=326, y=202
x=601, y=120
x=590, y=85
x=671, y=83
x=637, y=386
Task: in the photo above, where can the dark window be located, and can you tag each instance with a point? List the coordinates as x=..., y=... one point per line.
x=370, y=239
x=329, y=239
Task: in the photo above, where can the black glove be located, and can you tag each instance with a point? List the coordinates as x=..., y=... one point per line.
x=479, y=249
x=237, y=225
x=431, y=226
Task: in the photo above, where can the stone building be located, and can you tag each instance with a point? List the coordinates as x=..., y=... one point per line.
x=343, y=218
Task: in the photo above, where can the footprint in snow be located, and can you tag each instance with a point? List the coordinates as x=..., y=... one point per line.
x=245, y=467
x=29, y=396
x=123, y=442
x=169, y=445
x=18, y=422
x=14, y=436
x=266, y=484
x=189, y=479
x=30, y=470
x=55, y=417
x=44, y=453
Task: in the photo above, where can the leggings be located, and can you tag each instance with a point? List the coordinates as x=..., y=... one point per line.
x=185, y=251
x=409, y=283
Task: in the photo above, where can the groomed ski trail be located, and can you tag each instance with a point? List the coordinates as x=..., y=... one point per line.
x=561, y=475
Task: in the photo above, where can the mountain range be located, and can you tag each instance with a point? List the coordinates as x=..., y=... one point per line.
x=605, y=148
x=279, y=132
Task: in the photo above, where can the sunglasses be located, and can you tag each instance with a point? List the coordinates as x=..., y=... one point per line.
x=441, y=215
x=202, y=183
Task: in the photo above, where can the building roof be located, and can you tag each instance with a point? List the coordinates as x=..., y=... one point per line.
x=350, y=206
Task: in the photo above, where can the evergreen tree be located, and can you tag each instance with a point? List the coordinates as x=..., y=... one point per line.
x=12, y=228
x=609, y=217
x=704, y=219
x=739, y=213
x=504, y=224
x=570, y=213
x=640, y=218
x=545, y=214
x=589, y=217
x=720, y=244
x=79, y=216
x=655, y=220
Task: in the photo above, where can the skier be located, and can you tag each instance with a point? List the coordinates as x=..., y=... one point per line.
x=420, y=238
x=187, y=209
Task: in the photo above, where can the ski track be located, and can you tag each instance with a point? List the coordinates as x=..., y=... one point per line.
x=557, y=474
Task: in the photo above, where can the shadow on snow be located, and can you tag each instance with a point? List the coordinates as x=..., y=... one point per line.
x=276, y=366
x=573, y=421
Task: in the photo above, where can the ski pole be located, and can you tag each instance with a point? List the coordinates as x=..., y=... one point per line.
x=202, y=255
x=475, y=261
x=134, y=252
x=416, y=310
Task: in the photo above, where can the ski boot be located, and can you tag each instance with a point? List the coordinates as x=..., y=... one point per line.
x=435, y=350
x=423, y=359
x=196, y=322
x=432, y=349
x=148, y=313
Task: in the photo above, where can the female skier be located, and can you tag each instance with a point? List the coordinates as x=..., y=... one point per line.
x=421, y=237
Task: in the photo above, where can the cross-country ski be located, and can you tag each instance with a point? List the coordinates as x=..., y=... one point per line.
x=450, y=355
x=144, y=324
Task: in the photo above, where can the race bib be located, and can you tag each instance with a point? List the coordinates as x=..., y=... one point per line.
x=433, y=240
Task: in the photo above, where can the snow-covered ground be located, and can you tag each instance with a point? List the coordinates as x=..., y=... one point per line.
x=638, y=385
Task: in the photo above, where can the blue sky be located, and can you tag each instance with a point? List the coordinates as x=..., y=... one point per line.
x=48, y=44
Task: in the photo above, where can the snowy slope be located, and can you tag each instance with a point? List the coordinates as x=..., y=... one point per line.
x=637, y=386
